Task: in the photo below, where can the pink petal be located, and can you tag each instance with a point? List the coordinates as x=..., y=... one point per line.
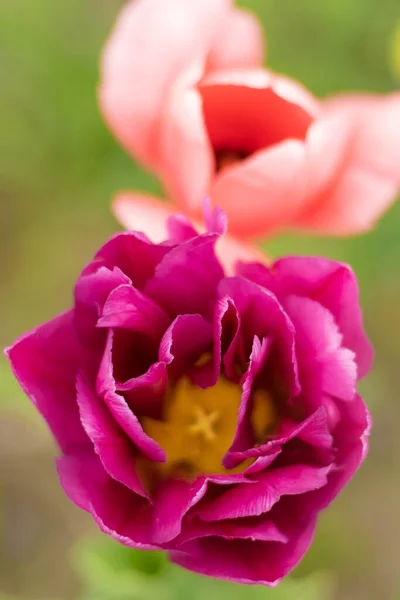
x=239, y=43
x=151, y=45
x=185, y=151
x=45, y=362
x=264, y=191
x=353, y=163
x=141, y=212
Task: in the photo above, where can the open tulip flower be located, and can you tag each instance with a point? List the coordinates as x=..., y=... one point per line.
x=208, y=416
x=183, y=89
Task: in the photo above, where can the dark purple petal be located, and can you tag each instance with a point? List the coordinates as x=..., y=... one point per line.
x=245, y=561
x=119, y=512
x=45, y=362
x=261, y=528
x=244, y=437
x=119, y=408
x=262, y=315
x=187, y=338
x=226, y=339
x=128, y=308
x=185, y=280
x=248, y=501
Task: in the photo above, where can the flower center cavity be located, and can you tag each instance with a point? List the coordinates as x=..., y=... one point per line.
x=199, y=426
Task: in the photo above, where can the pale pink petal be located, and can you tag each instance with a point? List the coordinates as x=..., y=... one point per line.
x=263, y=192
x=186, y=154
x=239, y=43
x=142, y=212
x=353, y=164
x=150, y=46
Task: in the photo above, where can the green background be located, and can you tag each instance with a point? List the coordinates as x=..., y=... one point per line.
x=58, y=170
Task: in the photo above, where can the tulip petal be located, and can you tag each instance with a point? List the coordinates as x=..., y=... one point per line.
x=264, y=191
x=188, y=162
x=128, y=308
x=152, y=216
x=45, y=362
x=245, y=561
x=239, y=43
x=88, y=485
x=152, y=44
x=353, y=164
x=111, y=444
x=330, y=283
x=254, y=500
x=174, y=499
x=185, y=280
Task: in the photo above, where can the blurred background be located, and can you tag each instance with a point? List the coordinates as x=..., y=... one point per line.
x=58, y=170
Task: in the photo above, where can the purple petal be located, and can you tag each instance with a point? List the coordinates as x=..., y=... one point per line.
x=262, y=315
x=187, y=338
x=330, y=283
x=133, y=254
x=185, y=280
x=173, y=500
x=122, y=514
x=248, y=501
x=129, y=308
x=122, y=413
x=91, y=292
x=262, y=529
x=180, y=229
x=244, y=437
x=115, y=451
x=226, y=332
x=45, y=362
x=215, y=219
x=245, y=561
x=314, y=431
x=325, y=366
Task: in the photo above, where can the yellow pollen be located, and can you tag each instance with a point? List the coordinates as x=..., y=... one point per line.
x=199, y=426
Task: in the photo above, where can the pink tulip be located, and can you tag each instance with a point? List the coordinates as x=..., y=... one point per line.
x=184, y=91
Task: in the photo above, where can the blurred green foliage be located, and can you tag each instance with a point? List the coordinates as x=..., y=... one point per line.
x=59, y=168
x=394, y=51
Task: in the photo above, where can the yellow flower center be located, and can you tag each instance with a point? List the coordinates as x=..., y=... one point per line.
x=199, y=426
